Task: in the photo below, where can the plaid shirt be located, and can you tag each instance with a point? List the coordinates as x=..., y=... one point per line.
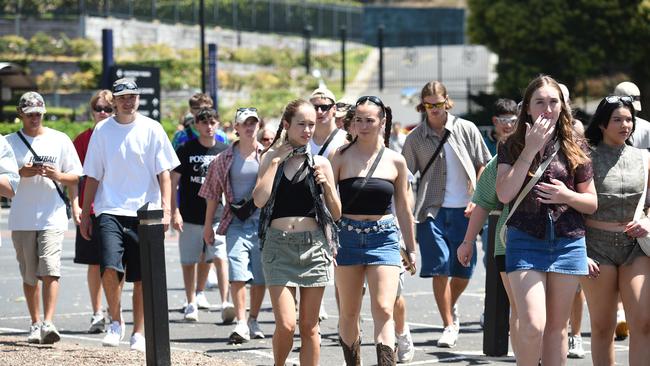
x=465, y=140
x=217, y=182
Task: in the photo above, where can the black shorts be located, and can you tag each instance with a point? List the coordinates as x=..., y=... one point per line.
x=500, y=260
x=120, y=245
x=87, y=251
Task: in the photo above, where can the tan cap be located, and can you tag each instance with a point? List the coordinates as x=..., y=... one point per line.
x=323, y=93
x=245, y=113
x=31, y=102
x=629, y=88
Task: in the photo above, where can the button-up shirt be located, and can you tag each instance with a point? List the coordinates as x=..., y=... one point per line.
x=467, y=143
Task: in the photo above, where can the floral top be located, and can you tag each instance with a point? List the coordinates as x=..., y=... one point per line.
x=531, y=216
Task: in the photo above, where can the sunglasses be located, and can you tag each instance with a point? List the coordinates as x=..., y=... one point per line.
x=106, y=109
x=507, y=120
x=619, y=98
x=323, y=107
x=372, y=99
x=244, y=109
x=438, y=105
x=128, y=85
x=342, y=106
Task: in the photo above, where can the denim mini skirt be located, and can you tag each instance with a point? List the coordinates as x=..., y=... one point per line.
x=297, y=259
x=551, y=254
x=368, y=243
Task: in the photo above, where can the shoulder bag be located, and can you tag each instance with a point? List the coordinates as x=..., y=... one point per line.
x=644, y=242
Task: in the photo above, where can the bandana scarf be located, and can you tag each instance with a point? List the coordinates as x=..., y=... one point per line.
x=323, y=216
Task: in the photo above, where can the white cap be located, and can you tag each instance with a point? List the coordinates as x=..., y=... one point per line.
x=629, y=88
x=245, y=113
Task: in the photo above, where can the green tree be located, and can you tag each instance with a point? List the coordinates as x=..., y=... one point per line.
x=569, y=39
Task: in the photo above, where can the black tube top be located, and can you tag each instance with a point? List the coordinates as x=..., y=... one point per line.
x=374, y=199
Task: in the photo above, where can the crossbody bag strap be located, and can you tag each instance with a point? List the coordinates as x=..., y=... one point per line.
x=36, y=157
x=327, y=142
x=639, y=207
x=538, y=174
x=436, y=153
x=365, y=179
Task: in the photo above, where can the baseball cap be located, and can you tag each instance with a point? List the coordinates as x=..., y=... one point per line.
x=629, y=88
x=245, y=113
x=343, y=106
x=31, y=102
x=125, y=86
x=323, y=93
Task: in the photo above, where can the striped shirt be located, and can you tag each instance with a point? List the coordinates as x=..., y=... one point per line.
x=486, y=197
x=464, y=139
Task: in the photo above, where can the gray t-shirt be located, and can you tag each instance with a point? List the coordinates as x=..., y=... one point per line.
x=243, y=175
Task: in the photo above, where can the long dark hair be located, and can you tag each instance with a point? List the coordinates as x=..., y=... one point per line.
x=603, y=113
x=384, y=112
x=569, y=142
x=290, y=111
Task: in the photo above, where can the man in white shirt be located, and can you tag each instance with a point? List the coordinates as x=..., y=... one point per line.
x=38, y=220
x=641, y=135
x=327, y=137
x=127, y=165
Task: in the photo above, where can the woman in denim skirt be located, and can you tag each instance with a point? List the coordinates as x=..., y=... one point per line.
x=545, y=245
x=623, y=267
x=368, y=236
x=297, y=194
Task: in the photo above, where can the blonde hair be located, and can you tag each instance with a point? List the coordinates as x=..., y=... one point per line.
x=434, y=88
x=101, y=94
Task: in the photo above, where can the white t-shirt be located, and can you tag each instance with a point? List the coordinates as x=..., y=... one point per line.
x=37, y=204
x=456, y=182
x=641, y=136
x=337, y=141
x=126, y=160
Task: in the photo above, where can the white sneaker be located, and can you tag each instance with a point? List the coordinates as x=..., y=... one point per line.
x=97, y=323
x=191, y=313
x=455, y=316
x=575, y=347
x=449, y=337
x=254, y=329
x=201, y=301
x=322, y=314
x=34, y=333
x=49, y=334
x=138, y=342
x=405, y=348
x=114, y=335
x=213, y=281
x=227, y=312
x=240, y=334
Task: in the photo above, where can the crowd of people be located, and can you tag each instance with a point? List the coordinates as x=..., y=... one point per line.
x=338, y=195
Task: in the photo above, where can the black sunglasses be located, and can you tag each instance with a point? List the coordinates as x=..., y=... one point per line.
x=128, y=85
x=323, y=107
x=107, y=109
x=372, y=99
x=619, y=98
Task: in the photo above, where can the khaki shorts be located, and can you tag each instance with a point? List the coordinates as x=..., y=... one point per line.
x=38, y=253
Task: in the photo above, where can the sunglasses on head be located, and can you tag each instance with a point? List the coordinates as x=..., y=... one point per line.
x=323, y=107
x=372, y=99
x=438, y=105
x=128, y=85
x=107, y=109
x=619, y=98
x=244, y=109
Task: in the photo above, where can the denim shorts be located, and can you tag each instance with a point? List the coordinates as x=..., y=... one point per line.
x=368, y=243
x=118, y=236
x=551, y=254
x=439, y=240
x=244, y=254
x=299, y=259
x=192, y=247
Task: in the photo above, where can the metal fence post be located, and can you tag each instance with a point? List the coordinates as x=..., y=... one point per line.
x=154, y=10
x=202, y=42
x=496, y=325
x=213, y=80
x=307, y=36
x=380, y=44
x=344, y=34
x=469, y=95
x=107, y=58
x=154, y=285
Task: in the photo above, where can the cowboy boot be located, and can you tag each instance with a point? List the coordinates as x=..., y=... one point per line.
x=352, y=354
x=385, y=355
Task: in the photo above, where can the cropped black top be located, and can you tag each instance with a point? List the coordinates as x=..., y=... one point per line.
x=293, y=200
x=374, y=199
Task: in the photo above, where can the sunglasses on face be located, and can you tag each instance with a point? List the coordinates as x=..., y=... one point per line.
x=438, y=105
x=619, y=98
x=342, y=106
x=128, y=85
x=107, y=109
x=507, y=120
x=323, y=107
